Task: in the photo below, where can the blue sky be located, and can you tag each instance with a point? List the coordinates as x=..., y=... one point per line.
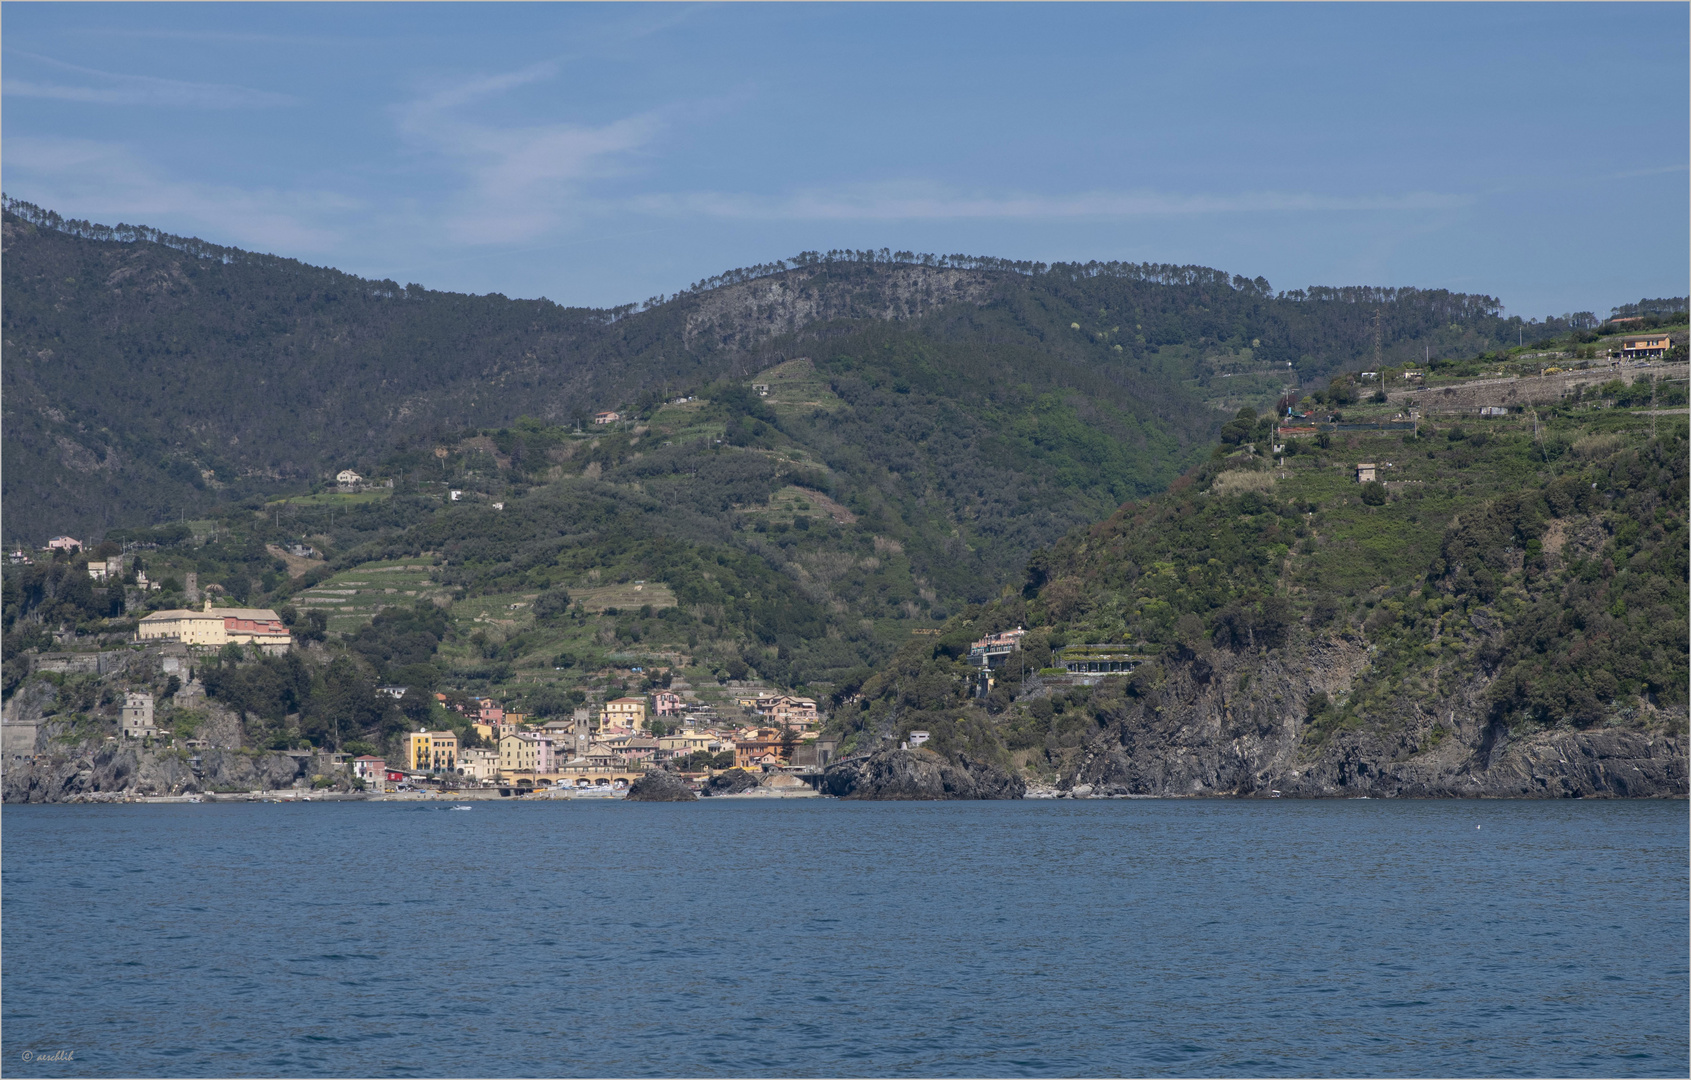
x=605, y=154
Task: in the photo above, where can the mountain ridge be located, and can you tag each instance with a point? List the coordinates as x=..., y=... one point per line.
x=231, y=375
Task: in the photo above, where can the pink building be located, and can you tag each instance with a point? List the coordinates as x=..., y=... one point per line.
x=64, y=543
x=545, y=756
x=665, y=703
x=490, y=711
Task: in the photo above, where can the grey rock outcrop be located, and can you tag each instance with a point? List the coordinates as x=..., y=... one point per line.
x=117, y=768
x=731, y=782
x=659, y=785
x=740, y=315
x=1196, y=734
x=919, y=774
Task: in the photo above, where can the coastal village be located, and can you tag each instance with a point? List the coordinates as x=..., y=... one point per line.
x=632, y=708
x=598, y=749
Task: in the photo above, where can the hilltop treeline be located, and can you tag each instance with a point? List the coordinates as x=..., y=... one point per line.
x=153, y=377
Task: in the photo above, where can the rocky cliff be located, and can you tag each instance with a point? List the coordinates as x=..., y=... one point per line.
x=1194, y=731
x=919, y=774
x=71, y=774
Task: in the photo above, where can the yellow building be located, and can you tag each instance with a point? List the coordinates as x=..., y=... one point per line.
x=426, y=751
x=685, y=743
x=218, y=627
x=188, y=627
x=624, y=712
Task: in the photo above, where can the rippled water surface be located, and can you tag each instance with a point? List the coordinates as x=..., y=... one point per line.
x=811, y=937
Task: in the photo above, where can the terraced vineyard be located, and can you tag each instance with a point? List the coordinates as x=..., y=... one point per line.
x=352, y=597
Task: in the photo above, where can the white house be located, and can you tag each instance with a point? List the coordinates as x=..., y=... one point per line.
x=347, y=476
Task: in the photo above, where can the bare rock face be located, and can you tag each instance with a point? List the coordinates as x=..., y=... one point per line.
x=731, y=782
x=30, y=704
x=116, y=768
x=737, y=316
x=1195, y=734
x=659, y=785
x=919, y=774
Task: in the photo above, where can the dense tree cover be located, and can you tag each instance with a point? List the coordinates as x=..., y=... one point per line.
x=1546, y=568
x=155, y=378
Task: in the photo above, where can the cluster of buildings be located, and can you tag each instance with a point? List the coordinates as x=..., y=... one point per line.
x=610, y=748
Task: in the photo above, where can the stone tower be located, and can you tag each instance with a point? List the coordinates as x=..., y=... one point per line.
x=581, y=737
x=138, y=714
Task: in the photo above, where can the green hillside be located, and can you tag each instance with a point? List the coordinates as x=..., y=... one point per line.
x=1513, y=582
x=152, y=378
x=813, y=459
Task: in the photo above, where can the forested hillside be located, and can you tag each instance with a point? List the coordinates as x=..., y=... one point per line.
x=1502, y=612
x=814, y=459
x=152, y=378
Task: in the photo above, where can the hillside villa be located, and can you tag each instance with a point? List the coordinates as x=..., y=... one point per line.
x=992, y=650
x=783, y=709
x=219, y=627
x=1639, y=346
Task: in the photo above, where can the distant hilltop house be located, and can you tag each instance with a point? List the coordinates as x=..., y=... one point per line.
x=106, y=569
x=347, y=476
x=1638, y=346
x=63, y=543
x=606, y=417
x=216, y=628
x=761, y=389
x=992, y=650
x=1365, y=472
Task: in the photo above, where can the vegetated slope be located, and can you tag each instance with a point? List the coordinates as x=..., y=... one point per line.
x=1506, y=614
x=153, y=378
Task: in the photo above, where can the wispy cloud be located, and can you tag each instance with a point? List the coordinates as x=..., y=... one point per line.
x=113, y=88
x=110, y=183
x=917, y=201
x=522, y=180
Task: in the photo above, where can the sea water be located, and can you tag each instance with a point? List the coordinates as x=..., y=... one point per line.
x=815, y=937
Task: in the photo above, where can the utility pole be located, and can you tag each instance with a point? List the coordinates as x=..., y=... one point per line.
x=1376, y=339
